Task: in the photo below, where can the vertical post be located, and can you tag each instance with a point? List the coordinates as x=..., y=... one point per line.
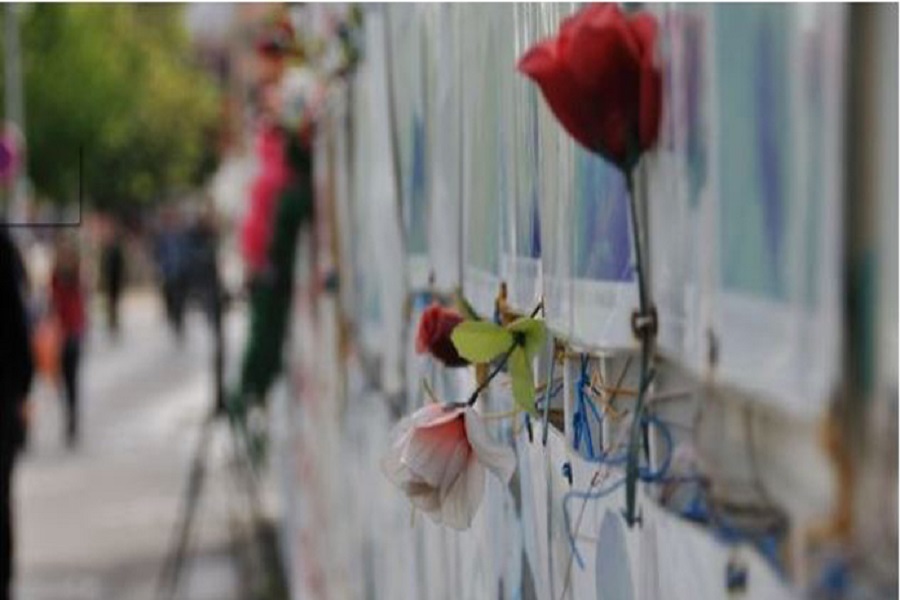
x=13, y=101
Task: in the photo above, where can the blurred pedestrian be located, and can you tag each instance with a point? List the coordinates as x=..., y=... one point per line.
x=202, y=264
x=170, y=250
x=16, y=369
x=207, y=288
x=281, y=204
x=67, y=301
x=112, y=268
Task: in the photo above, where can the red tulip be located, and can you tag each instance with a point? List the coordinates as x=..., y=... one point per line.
x=433, y=336
x=599, y=79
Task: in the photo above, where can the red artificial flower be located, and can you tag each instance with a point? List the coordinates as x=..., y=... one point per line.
x=433, y=336
x=600, y=81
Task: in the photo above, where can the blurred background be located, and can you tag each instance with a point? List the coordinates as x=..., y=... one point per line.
x=224, y=221
x=127, y=149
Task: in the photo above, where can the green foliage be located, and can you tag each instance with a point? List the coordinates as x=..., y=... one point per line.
x=532, y=333
x=116, y=81
x=482, y=341
x=522, y=379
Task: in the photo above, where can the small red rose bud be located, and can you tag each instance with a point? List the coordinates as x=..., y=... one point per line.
x=433, y=335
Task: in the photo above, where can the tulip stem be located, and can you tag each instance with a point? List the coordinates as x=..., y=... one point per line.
x=645, y=332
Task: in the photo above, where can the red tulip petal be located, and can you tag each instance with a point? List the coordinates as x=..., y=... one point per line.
x=614, y=131
x=596, y=13
x=601, y=51
x=651, y=106
x=560, y=91
x=604, y=59
x=540, y=60
x=643, y=27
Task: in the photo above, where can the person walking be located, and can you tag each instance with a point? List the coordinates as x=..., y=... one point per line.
x=113, y=273
x=170, y=251
x=16, y=371
x=204, y=277
x=67, y=301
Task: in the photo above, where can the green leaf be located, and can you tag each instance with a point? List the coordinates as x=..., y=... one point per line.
x=480, y=341
x=522, y=379
x=533, y=331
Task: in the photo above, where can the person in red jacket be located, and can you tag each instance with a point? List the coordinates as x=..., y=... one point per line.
x=67, y=301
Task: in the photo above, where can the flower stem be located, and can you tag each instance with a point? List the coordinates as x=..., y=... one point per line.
x=632, y=471
x=487, y=380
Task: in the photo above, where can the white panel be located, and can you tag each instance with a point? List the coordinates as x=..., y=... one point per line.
x=777, y=175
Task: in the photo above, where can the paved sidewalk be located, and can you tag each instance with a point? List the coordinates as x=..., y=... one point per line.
x=96, y=522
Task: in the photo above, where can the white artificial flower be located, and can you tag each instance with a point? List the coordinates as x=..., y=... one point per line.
x=437, y=458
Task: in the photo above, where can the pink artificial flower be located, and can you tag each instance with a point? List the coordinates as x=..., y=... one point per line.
x=438, y=457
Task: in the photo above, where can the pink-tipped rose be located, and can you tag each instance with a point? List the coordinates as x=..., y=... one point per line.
x=438, y=457
x=433, y=336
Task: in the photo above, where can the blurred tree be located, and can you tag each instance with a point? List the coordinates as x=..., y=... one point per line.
x=119, y=81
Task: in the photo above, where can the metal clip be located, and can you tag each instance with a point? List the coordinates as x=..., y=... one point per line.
x=645, y=324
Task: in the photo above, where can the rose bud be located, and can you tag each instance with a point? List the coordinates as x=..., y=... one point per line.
x=433, y=336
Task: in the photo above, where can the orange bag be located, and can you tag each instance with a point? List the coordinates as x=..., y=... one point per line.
x=46, y=341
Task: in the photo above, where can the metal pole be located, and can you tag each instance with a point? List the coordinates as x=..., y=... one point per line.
x=13, y=102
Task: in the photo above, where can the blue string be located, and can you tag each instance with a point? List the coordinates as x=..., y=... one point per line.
x=767, y=545
x=593, y=405
x=580, y=424
x=582, y=437
x=595, y=495
x=835, y=580
x=582, y=433
x=697, y=511
x=567, y=471
x=582, y=428
x=659, y=474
